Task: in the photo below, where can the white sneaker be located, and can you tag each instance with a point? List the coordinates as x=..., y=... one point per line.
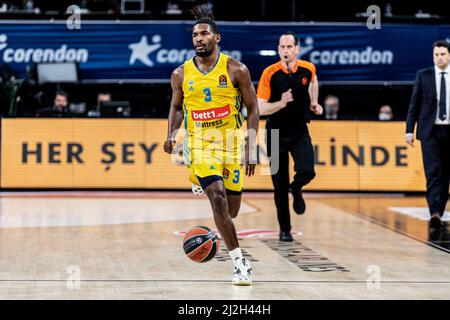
x=242, y=275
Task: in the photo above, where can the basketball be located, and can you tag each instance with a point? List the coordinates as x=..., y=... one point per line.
x=200, y=244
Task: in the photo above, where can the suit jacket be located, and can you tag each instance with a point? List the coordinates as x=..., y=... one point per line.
x=423, y=105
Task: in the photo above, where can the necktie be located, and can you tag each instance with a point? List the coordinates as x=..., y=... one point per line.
x=443, y=99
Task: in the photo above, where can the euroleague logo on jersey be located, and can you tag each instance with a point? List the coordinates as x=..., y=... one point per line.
x=223, y=83
x=304, y=81
x=226, y=173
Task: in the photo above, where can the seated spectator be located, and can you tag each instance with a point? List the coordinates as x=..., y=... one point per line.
x=59, y=108
x=331, y=106
x=385, y=113
x=101, y=97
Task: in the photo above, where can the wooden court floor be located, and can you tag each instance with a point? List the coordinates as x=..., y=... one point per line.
x=128, y=245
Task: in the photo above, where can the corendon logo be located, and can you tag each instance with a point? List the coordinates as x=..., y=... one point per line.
x=211, y=114
x=37, y=55
x=367, y=56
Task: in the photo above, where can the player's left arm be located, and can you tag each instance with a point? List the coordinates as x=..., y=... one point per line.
x=314, y=96
x=242, y=78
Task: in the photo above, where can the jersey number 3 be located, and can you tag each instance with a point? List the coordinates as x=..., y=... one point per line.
x=207, y=93
x=237, y=174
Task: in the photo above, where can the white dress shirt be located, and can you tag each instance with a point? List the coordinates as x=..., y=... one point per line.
x=437, y=75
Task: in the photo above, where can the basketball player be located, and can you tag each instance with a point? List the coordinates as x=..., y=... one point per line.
x=206, y=98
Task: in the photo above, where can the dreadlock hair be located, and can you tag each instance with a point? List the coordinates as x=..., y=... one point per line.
x=203, y=15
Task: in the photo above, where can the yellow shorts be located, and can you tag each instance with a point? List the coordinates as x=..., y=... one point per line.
x=225, y=163
x=231, y=174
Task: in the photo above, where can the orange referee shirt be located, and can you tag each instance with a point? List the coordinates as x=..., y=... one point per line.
x=275, y=80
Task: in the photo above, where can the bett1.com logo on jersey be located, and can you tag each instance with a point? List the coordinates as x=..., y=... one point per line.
x=211, y=114
x=37, y=55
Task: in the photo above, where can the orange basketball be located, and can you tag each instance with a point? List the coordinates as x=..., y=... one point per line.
x=200, y=244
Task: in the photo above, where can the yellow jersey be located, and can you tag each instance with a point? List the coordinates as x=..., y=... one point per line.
x=211, y=107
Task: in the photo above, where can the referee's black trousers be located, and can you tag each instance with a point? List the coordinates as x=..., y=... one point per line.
x=299, y=145
x=436, y=162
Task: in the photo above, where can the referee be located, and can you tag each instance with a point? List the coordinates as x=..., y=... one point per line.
x=287, y=91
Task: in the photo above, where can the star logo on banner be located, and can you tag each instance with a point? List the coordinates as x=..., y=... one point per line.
x=141, y=50
x=307, y=47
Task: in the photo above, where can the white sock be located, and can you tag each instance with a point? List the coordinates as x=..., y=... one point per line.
x=236, y=254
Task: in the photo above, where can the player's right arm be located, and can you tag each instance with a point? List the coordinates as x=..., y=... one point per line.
x=176, y=109
x=263, y=94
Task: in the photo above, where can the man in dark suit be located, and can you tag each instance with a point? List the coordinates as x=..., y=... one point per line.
x=429, y=108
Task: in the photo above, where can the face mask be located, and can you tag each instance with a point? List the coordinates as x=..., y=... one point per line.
x=384, y=116
x=331, y=109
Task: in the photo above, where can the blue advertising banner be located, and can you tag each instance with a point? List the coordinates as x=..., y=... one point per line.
x=143, y=51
